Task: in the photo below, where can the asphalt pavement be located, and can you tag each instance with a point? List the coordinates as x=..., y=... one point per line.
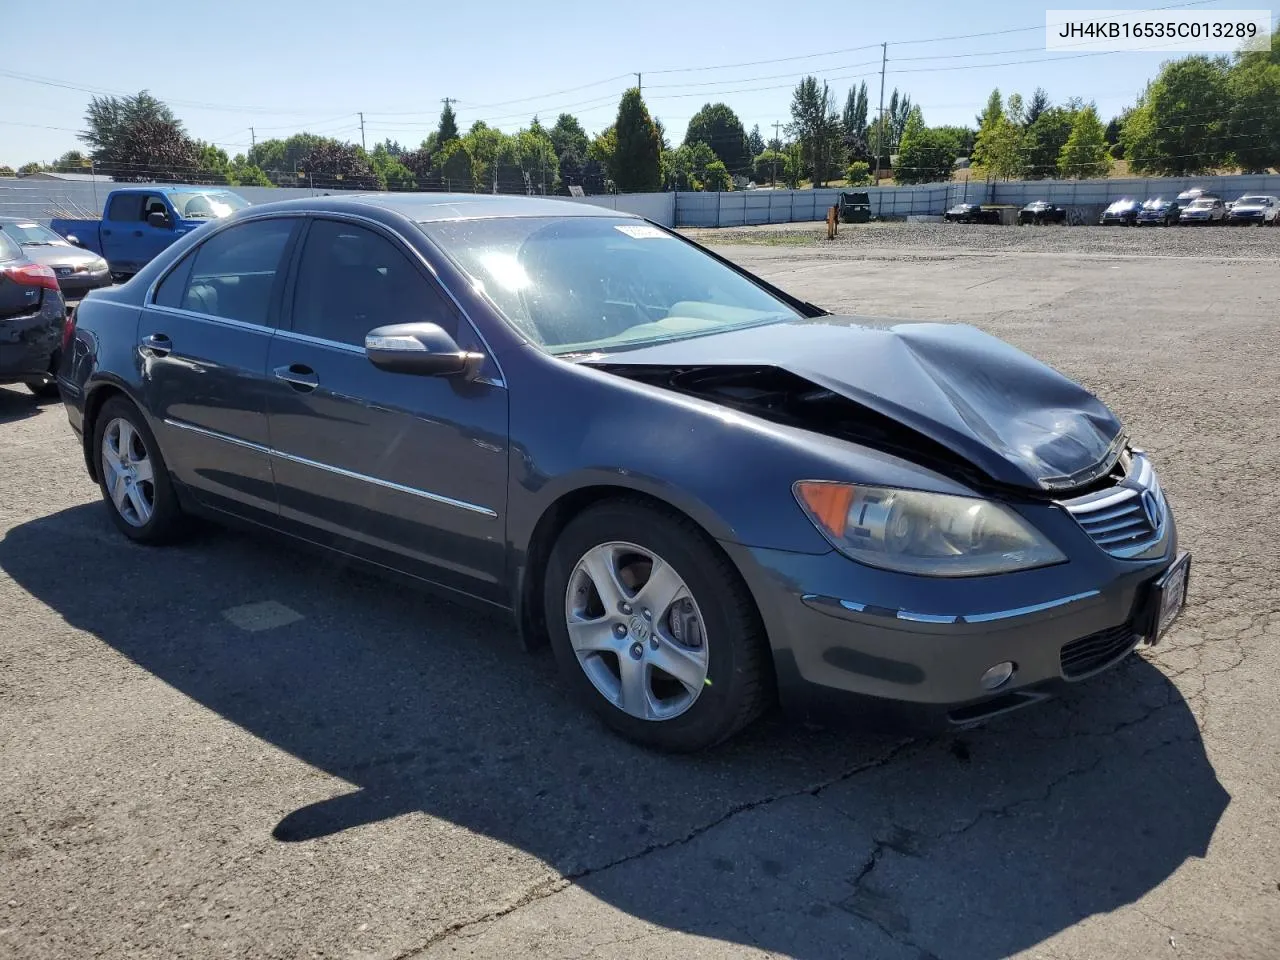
x=230, y=748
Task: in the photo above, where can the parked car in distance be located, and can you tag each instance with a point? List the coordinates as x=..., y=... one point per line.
x=78, y=271
x=1042, y=211
x=971, y=213
x=1192, y=193
x=537, y=404
x=1203, y=210
x=1158, y=211
x=1260, y=209
x=32, y=320
x=139, y=222
x=1122, y=212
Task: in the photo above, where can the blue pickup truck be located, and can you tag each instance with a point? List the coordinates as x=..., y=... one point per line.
x=139, y=222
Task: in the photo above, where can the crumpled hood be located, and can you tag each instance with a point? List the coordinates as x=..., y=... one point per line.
x=1016, y=419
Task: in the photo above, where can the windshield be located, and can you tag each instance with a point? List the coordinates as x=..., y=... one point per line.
x=582, y=284
x=198, y=206
x=1254, y=201
x=1155, y=204
x=1200, y=205
x=31, y=234
x=8, y=249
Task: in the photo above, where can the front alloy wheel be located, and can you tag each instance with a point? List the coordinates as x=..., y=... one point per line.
x=636, y=631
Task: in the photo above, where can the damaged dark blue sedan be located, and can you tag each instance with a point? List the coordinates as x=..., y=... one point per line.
x=705, y=492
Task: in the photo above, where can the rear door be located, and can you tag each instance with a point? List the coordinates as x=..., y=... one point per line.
x=203, y=341
x=121, y=231
x=151, y=240
x=406, y=470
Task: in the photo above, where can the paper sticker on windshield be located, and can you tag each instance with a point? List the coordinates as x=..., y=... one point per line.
x=641, y=231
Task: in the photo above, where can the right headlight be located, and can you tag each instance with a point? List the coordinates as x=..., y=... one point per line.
x=929, y=534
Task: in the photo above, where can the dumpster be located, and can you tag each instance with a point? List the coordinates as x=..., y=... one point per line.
x=855, y=207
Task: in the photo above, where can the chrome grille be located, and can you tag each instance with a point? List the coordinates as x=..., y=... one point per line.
x=1128, y=519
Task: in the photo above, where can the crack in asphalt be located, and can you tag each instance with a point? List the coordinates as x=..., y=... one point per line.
x=553, y=885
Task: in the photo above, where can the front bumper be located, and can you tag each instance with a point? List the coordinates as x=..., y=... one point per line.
x=852, y=641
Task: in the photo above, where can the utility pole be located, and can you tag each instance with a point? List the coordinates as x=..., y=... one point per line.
x=253, y=139
x=362, y=146
x=777, y=139
x=638, y=87
x=884, y=58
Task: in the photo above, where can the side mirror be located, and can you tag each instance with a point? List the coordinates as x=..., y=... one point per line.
x=158, y=219
x=420, y=348
x=74, y=240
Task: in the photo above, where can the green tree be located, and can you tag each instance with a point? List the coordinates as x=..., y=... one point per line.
x=1186, y=110
x=536, y=155
x=719, y=128
x=755, y=142
x=568, y=133
x=447, y=131
x=771, y=165
x=138, y=138
x=29, y=168
x=795, y=164
x=718, y=176
x=816, y=128
x=926, y=155
x=854, y=117
x=988, y=122
x=963, y=137
x=280, y=157
x=456, y=166
x=637, y=165
x=1045, y=139
x=390, y=171
x=898, y=114
x=858, y=174
x=603, y=149
x=73, y=161
x=685, y=168
x=338, y=166
x=244, y=174
x=1038, y=105
x=1085, y=154
x=484, y=145
x=7, y=171
x=1253, y=123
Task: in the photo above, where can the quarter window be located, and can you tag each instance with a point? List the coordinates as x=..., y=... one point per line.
x=352, y=279
x=232, y=274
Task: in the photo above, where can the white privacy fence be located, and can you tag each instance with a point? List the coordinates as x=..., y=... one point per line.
x=45, y=199
x=42, y=200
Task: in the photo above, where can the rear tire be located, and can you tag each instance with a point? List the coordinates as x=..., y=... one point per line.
x=133, y=477
x=735, y=683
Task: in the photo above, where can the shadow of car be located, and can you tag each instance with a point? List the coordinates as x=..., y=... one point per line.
x=811, y=844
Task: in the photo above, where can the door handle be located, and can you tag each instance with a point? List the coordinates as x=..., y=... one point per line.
x=299, y=376
x=158, y=344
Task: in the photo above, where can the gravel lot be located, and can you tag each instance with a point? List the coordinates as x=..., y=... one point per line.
x=226, y=749
x=1217, y=242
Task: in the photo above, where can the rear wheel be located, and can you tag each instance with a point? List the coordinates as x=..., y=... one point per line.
x=133, y=477
x=653, y=628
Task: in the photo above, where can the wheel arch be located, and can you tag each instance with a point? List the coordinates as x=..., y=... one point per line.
x=531, y=569
x=95, y=399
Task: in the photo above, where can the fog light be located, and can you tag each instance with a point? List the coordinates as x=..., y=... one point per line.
x=997, y=676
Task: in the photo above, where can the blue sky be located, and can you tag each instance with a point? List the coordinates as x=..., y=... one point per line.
x=282, y=68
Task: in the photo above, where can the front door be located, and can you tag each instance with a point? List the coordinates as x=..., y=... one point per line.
x=406, y=470
x=203, y=343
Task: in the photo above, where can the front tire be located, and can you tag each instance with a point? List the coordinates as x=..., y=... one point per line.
x=653, y=628
x=133, y=477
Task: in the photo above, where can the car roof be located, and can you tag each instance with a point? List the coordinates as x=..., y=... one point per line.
x=429, y=207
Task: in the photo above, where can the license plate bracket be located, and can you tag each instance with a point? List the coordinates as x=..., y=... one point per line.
x=1166, y=598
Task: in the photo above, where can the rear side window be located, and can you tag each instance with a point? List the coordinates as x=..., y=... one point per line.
x=125, y=206
x=352, y=279
x=232, y=274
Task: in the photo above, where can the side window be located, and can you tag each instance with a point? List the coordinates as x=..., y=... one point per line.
x=351, y=279
x=125, y=206
x=233, y=273
x=174, y=287
x=154, y=204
